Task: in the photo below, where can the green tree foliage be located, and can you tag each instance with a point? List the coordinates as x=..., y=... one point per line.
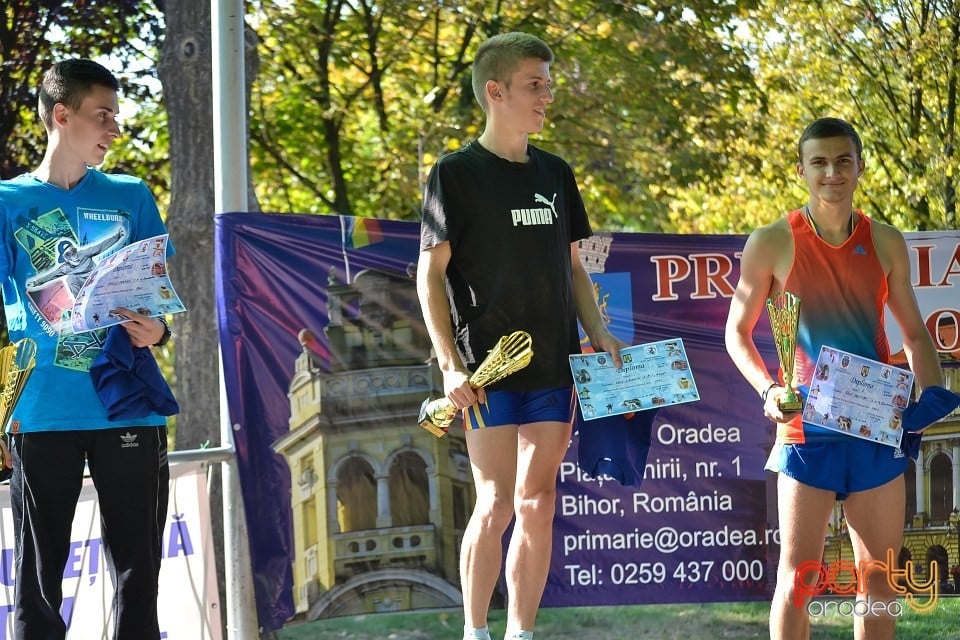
x=34, y=34
x=355, y=100
x=675, y=117
x=903, y=58
x=889, y=67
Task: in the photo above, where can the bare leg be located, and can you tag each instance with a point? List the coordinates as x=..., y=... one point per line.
x=875, y=519
x=493, y=458
x=804, y=513
x=541, y=449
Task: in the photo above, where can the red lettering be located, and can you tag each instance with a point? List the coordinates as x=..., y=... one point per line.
x=670, y=269
x=803, y=587
x=711, y=273
x=924, y=268
x=954, y=268
x=844, y=577
x=836, y=570
x=925, y=275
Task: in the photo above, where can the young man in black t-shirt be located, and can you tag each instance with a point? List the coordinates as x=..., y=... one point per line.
x=499, y=254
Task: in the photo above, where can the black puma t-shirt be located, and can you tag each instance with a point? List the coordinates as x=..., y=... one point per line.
x=510, y=226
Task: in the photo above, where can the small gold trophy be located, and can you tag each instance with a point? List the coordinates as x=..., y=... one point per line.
x=784, y=311
x=510, y=354
x=16, y=364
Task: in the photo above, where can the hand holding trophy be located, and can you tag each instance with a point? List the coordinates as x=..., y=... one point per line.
x=784, y=312
x=16, y=364
x=510, y=354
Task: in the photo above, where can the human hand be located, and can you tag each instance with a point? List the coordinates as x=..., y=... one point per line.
x=609, y=343
x=457, y=389
x=144, y=331
x=771, y=404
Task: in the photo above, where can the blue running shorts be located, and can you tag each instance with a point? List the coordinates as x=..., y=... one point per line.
x=521, y=407
x=840, y=466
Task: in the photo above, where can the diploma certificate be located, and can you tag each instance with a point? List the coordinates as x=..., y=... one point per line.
x=134, y=277
x=858, y=396
x=656, y=374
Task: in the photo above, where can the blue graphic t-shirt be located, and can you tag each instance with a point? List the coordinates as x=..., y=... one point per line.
x=51, y=240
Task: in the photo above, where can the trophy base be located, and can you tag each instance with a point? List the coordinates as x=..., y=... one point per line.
x=434, y=429
x=424, y=421
x=790, y=405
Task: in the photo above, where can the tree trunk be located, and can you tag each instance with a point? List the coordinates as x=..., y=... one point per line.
x=185, y=72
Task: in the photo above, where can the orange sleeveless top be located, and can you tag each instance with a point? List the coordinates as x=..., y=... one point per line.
x=843, y=291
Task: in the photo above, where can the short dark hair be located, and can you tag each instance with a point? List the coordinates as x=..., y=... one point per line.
x=68, y=82
x=829, y=128
x=498, y=57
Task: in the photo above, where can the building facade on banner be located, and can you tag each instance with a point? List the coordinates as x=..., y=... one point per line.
x=932, y=527
x=379, y=504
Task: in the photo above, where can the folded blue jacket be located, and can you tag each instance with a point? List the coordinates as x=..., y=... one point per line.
x=616, y=447
x=933, y=404
x=128, y=379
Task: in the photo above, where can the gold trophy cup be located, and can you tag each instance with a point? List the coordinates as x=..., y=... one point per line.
x=784, y=312
x=510, y=354
x=16, y=364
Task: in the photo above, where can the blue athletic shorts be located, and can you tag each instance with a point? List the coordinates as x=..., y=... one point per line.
x=521, y=407
x=840, y=466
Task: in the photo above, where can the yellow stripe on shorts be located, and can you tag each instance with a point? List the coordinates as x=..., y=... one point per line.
x=474, y=412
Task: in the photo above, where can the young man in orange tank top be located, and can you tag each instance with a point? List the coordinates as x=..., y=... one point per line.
x=846, y=268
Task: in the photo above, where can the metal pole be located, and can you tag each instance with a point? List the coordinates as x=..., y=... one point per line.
x=229, y=106
x=230, y=192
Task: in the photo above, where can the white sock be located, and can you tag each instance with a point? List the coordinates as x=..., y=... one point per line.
x=519, y=635
x=483, y=633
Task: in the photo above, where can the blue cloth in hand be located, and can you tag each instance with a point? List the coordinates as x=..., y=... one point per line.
x=128, y=379
x=934, y=403
x=616, y=447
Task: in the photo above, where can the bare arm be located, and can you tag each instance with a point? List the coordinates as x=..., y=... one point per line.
x=587, y=311
x=917, y=343
x=761, y=265
x=432, y=291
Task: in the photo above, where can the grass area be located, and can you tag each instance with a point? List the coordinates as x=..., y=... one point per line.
x=727, y=621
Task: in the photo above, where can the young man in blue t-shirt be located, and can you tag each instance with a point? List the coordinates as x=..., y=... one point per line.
x=55, y=223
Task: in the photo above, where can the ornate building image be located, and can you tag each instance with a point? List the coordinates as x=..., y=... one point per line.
x=931, y=534
x=352, y=508
x=379, y=504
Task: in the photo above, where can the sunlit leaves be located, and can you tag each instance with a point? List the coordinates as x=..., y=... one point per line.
x=34, y=34
x=890, y=68
x=358, y=121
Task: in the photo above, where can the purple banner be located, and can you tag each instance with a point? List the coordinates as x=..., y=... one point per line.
x=698, y=529
x=326, y=359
